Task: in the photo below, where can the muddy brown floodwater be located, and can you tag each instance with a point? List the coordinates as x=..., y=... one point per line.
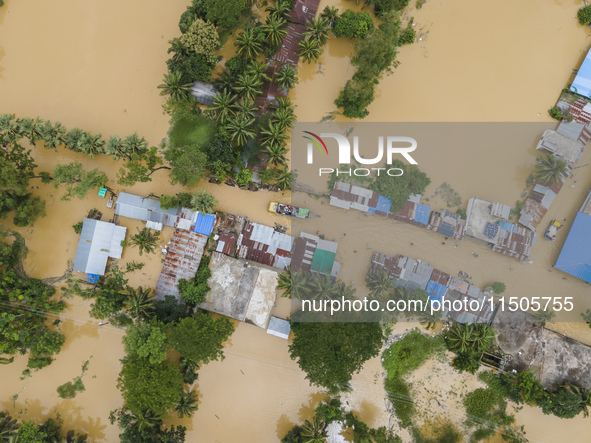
x=96, y=65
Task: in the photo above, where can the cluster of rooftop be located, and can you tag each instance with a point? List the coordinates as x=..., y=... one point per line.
x=485, y=221
x=417, y=274
x=347, y=196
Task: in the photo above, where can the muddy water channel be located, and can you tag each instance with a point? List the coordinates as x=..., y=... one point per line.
x=96, y=65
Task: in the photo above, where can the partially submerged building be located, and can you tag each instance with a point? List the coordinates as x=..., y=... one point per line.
x=488, y=222
x=575, y=257
x=241, y=290
x=567, y=142
x=98, y=242
x=529, y=346
x=348, y=196
x=313, y=254
x=265, y=245
x=279, y=327
x=537, y=204
x=417, y=274
x=183, y=257
x=582, y=83
x=148, y=210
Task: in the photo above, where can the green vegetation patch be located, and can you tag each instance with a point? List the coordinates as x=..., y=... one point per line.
x=407, y=354
x=190, y=129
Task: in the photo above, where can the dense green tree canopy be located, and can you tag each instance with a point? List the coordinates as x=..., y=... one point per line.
x=78, y=181
x=355, y=98
x=224, y=13
x=188, y=164
x=201, y=38
x=147, y=340
x=201, y=338
x=398, y=189
x=330, y=353
x=151, y=387
x=353, y=24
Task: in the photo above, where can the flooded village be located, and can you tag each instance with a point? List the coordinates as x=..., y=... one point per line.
x=258, y=393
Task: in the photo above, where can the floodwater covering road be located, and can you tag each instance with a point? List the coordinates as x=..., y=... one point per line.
x=96, y=65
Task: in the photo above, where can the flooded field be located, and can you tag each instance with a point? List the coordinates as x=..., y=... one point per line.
x=96, y=65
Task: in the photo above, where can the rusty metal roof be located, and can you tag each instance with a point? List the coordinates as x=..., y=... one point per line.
x=303, y=10
x=182, y=261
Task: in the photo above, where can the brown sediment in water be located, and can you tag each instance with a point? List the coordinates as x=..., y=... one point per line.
x=97, y=65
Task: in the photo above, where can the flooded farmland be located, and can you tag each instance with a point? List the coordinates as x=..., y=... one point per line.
x=96, y=65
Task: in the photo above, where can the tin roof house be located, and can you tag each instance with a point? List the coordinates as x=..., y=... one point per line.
x=148, y=210
x=98, y=242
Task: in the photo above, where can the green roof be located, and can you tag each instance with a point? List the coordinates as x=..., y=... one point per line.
x=323, y=261
x=303, y=212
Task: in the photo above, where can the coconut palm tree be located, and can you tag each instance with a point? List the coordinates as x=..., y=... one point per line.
x=223, y=106
x=140, y=302
x=248, y=86
x=175, y=86
x=145, y=240
x=284, y=177
x=550, y=169
x=344, y=290
x=224, y=82
x=8, y=426
x=275, y=31
x=273, y=134
x=330, y=13
x=544, y=316
x=73, y=437
x=322, y=288
x=309, y=49
x=286, y=77
x=246, y=109
x=239, y=129
x=318, y=30
x=258, y=70
x=145, y=421
x=315, y=431
x=247, y=44
x=134, y=144
x=187, y=405
x=280, y=10
x=53, y=136
x=203, y=202
x=379, y=284
x=284, y=103
x=275, y=153
x=460, y=338
x=31, y=129
x=189, y=370
x=9, y=128
x=294, y=284
x=283, y=118
x=92, y=144
x=114, y=147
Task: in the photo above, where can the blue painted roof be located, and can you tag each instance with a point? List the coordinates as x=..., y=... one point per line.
x=575, y=257
x=435, y=290
x=422, y=214
x=509, y=227
x=204, y=224
x=384, y=204
x=582, y=82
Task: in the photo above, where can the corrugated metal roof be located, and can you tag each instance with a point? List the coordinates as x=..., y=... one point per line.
x=500, y=210
x=147, y=209
x=98, y=241
x=326, y=245
x=575, y=257
x=323, y=261
x=204, y=93
x=204, y=223
x=582, y=83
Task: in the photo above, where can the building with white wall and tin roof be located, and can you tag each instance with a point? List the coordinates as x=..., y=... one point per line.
x=98, y=242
